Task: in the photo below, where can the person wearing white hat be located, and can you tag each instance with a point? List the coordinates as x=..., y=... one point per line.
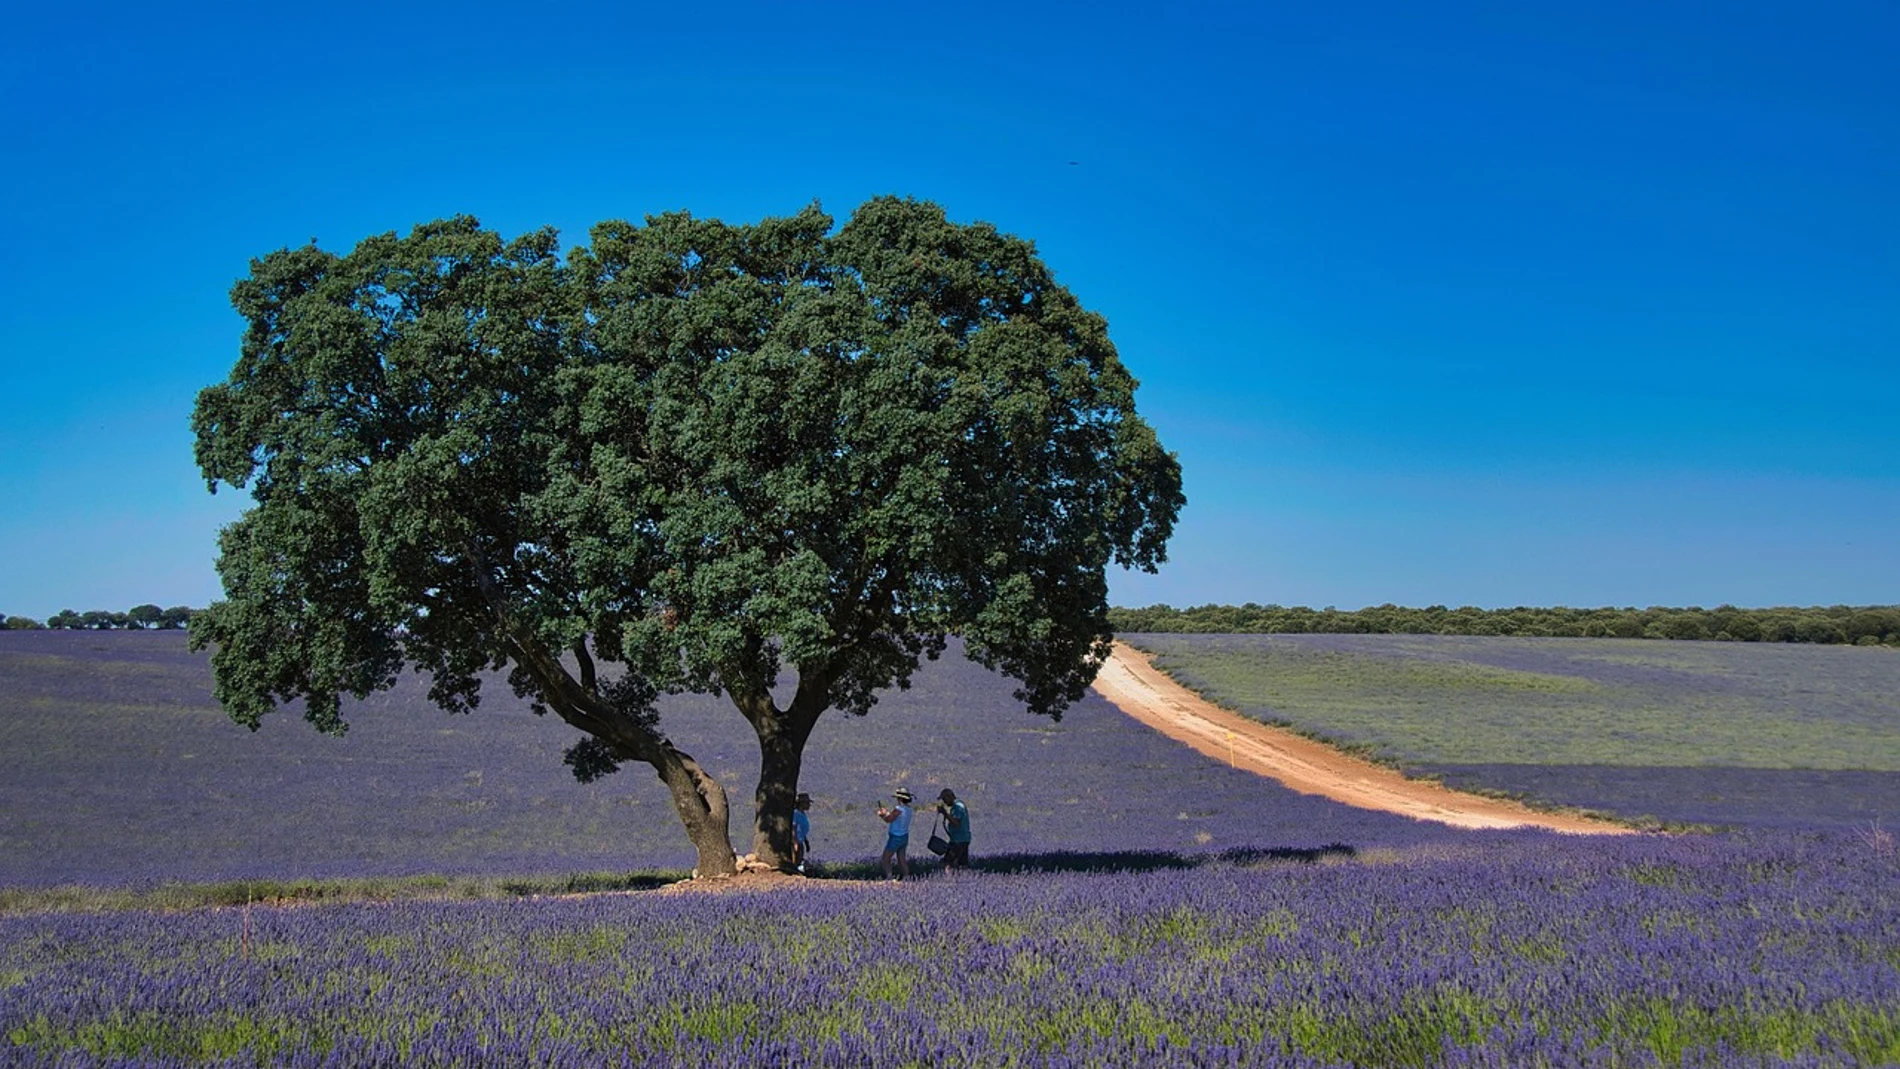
x=897, y=832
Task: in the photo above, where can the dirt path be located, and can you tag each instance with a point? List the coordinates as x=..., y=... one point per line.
x=1138, y=688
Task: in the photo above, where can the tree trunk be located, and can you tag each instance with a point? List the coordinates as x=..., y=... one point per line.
x=780, y=759
x=782, y=736
x=701, y=804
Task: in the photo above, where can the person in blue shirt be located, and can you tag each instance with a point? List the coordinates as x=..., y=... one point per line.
x=801, y=830
x=956, y=821
x=897, y=832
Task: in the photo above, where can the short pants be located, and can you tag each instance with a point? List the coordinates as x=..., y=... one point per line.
x=896, y=844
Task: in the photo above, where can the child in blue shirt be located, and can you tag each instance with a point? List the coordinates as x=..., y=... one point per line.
x=801, y=830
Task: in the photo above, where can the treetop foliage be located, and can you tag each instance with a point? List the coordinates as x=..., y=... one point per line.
x=696, y=449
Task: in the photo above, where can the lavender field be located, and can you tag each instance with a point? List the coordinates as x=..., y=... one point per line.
x=1648, y=951
x=116, y=767
x=1142, y=905
x=1702, y=732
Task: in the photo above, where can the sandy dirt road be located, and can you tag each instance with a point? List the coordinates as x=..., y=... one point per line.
x=1141, y=690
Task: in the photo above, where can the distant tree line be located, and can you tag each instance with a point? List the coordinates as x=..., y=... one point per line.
x=1864, y=625
x=1868, y=625
x=136, y=618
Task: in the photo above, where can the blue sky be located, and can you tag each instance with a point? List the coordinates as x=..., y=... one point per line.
x=1489, y=304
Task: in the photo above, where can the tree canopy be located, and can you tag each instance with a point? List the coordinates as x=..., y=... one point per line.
x=685, y=457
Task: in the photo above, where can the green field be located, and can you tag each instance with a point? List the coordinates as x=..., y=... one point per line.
x=1464, y=701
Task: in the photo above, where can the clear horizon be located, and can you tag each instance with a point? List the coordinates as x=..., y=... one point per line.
x=1580, y=305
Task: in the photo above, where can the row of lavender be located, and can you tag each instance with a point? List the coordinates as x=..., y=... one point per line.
x=1501, y=950
x=118, y=769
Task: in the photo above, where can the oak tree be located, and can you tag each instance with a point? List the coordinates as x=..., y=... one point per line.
x=689, y=456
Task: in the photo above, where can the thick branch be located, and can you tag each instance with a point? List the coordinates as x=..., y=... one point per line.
x=697, y=796
x=574, y=701
x=588, y=679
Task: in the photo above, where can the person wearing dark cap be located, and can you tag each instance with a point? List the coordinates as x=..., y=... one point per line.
x=801, y=830
x=956, y=823
x=897, y=832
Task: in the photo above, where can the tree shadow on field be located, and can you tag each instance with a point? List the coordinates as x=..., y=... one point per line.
x=1103, y=861
x=1156, y=860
